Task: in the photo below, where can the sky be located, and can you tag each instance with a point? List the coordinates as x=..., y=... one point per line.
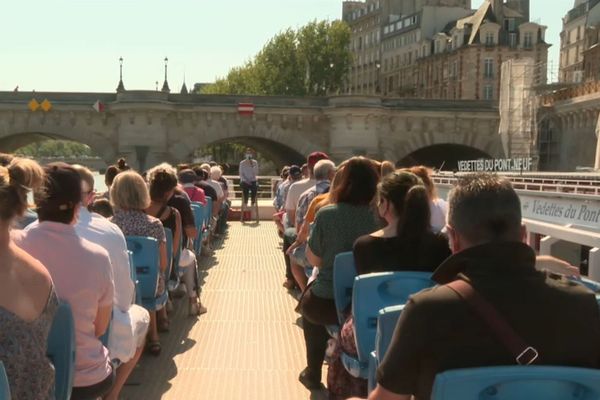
x=75, y=45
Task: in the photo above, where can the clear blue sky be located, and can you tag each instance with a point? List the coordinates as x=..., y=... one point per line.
x=74, y=45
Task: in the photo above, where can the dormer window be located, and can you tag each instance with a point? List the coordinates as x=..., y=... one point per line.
x=490, y=39
x=528, y=40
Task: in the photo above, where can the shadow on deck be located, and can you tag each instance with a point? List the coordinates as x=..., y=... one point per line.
x=248, y=345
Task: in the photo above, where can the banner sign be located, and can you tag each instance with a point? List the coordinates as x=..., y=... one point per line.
x=547, y=207
x=561, y=211
x=496, y=165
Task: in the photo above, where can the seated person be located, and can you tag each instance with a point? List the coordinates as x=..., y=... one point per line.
x=407, y=243
x=81, y=271
x=336, y=228
x=129, y=321
x=129, y=197
x=438, y=331
x=102, y=207
x=187, y=178
x=163, y=182
x=27, y=298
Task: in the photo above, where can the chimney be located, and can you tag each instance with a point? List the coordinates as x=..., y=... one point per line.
x=497, y=10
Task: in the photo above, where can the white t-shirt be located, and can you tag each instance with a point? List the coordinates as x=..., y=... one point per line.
x=295, y=191
x=439, y=210
x=217, y=186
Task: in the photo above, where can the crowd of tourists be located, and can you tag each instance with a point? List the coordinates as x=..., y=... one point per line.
x=392, y=220
x=70, y=246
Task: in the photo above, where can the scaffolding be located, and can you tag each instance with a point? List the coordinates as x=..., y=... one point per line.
x=517, y=108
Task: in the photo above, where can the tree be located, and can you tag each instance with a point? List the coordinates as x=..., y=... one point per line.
x=314, y=60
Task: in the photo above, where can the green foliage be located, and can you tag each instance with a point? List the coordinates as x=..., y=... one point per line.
x=311, y=61
x=55, y=148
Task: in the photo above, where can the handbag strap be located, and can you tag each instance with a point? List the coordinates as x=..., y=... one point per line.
x=521, y=351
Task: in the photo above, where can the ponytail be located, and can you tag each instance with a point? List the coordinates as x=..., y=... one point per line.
x=415, y=220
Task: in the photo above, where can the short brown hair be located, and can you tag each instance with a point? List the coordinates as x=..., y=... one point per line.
x=60, y=195
x=485, y=208
x=357, y=183
x=129, y=192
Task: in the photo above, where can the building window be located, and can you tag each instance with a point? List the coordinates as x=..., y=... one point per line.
x=528, y=40
x=488, y=92
x=509, y=24
x=488, y=68
x=489, y=39
x=512, y=40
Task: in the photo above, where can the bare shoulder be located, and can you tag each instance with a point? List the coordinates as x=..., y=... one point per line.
x=32, y=269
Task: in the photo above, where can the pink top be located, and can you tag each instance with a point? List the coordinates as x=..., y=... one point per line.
x=82, y=275
x=195, y=193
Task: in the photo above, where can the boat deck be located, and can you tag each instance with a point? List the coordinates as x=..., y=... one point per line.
x=248, y=346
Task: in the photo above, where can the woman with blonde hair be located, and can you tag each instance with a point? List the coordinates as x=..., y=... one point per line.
x=27, y=298
x=130, y=198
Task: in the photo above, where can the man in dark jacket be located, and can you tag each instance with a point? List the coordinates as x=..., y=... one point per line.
x=438, y=330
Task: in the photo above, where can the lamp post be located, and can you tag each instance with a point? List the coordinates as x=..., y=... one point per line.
x=120, y=87
x=378, y=77
x=165, y=87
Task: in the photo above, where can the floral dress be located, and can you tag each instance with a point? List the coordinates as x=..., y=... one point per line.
x=23, y=353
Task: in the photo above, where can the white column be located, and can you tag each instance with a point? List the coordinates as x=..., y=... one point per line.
x=546, y=245
x=594, y=264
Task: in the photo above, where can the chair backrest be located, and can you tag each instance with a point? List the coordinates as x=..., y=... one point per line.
x=372, y=292
x=344, y=272
x=134, y=278
x=208, y=211
x=61, y=349
x=588, y=283
x=146, y=259
x=518, y=383
x=386, y=325
x=199, y=221
x=4, y=385
x=169, y=237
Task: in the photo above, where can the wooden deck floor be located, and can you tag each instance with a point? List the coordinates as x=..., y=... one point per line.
x=248, y=346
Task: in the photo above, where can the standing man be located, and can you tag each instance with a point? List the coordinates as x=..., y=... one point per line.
x=249, y=177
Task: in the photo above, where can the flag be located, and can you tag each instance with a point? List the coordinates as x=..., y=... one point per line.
x=98, y=106
x=245, y=108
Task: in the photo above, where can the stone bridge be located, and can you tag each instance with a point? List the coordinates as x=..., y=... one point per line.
x=148, y=127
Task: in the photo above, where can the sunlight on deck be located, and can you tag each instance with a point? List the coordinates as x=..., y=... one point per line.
x=248, y=345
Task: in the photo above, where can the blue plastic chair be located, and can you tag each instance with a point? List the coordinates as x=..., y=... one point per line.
x=588, y=283
x=518, y=383
x=169, y=237
x=207, y=215
x=386, y=325
x=4, y=385
x=199, y=219
x=61, y=350
x=372, y=292
x=344, y=272
x=132, y=270
x=146, y=258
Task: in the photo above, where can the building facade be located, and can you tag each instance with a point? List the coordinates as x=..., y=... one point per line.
x=578, y=25
x=463, y=60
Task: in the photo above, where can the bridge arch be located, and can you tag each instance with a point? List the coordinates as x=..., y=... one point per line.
x=445, y=156
x=13, y=140
x=282, y=146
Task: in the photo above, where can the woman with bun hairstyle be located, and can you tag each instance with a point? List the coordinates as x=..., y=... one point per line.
x=437, y=205
x=27, y=298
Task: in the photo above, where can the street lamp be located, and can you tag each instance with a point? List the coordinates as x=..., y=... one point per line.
x=120, y=87
x=377, y=84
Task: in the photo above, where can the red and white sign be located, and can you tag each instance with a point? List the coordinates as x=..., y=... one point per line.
x=98, y=106
x=246, y=108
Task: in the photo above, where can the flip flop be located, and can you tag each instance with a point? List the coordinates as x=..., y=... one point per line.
x=153, y=347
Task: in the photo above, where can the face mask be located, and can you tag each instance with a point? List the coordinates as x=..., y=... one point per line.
x=248, y=156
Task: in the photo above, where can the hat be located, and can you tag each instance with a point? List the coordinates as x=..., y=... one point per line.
x=315, y=157
x=295, y=172
x=62, y=189
x=187, y=176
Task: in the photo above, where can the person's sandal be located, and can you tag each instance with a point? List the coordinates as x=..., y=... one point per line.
x=153, y=347
x=163, y=325
x=196, y=309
